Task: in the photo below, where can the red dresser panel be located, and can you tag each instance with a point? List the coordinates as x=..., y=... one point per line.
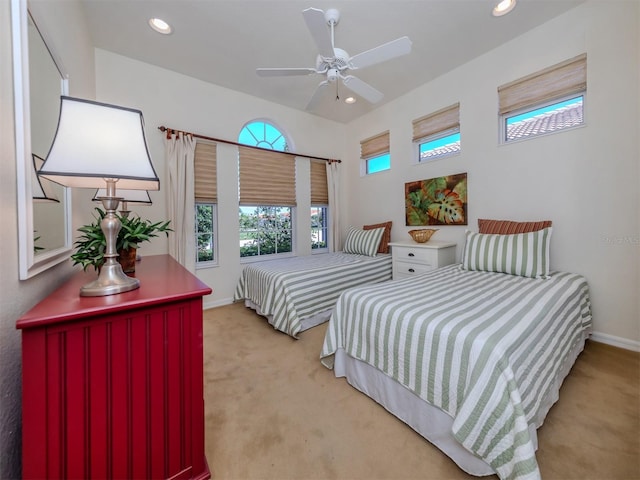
x=117, y=391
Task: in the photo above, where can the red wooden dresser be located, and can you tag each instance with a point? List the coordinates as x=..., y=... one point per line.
x=112, y=387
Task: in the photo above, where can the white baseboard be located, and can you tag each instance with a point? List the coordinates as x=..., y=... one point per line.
x=616, y=341
x=217, y=303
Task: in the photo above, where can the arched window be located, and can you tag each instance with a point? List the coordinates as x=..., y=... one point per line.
x=265, y=229
x=259, y=133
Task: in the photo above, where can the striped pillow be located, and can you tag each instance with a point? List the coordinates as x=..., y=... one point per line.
x=363, y=242
x=523, y=254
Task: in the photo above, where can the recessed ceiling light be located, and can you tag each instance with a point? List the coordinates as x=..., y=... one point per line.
x=160, y=26
x=504, y=7
x=350, y=100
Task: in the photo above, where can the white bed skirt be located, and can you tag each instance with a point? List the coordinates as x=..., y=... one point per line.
x=429, y=421
x=305, y=323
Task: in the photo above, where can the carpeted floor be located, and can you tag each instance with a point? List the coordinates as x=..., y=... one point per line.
x=274, y=412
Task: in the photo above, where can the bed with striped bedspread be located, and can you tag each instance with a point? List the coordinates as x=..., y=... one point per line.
x=289, y=290
x=483, y=347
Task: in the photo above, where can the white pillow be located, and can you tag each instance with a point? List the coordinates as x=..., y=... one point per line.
x=523, y=254
x=363, y=242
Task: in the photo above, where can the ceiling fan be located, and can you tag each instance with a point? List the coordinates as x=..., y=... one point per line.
x=335, y=63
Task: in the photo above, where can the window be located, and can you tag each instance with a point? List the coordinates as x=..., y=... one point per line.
x=264, y=135
x=267, y=184
x=544, y=102
x=206, y=198
x=378, y=164
x=374, y=152
x=438, y=134
x=265, y=230
x=553, y=117
x=205, y=237
x=319, y=206
x=319, y=228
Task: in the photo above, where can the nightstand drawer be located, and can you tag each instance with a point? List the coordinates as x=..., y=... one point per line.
x=405, y=269
x=412, y=254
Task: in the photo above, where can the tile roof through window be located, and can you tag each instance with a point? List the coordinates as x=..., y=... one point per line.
x=565, y=117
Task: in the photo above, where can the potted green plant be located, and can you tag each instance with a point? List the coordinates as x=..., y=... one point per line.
x=91, y=245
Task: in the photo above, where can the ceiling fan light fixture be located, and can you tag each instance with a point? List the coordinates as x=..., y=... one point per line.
x=504, y=7
x=160, y=26
x=336, y=63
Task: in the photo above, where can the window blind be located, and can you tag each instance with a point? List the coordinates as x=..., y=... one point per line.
x=205, y=172
x=444, y=119
x=559, y=80
x=267, y=177
x=319, y=188
x=375, y=146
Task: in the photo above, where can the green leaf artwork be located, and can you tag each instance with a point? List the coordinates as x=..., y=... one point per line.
x=437, y=201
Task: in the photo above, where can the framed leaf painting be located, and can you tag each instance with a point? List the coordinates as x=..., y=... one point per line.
x=437, y=201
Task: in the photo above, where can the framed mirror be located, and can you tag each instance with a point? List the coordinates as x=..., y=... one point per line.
x=44, y=208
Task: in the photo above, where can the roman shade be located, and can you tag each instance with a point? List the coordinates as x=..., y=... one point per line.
x=557, y=81
x=319, y=187
x=205, y=172
x=375, y=146
x=445, y=119
x=267, y=177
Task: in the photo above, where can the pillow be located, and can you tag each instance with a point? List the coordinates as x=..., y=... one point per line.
x=507, y=227
x=523, y=254
x=363, y=242
x=386, y=236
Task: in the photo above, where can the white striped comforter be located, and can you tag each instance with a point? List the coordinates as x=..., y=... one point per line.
x=296, y=288
x=483, y=347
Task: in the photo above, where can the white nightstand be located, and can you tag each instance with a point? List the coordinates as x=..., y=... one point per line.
x=411, y=258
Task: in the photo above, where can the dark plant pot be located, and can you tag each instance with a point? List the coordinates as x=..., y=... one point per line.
x=127, y=259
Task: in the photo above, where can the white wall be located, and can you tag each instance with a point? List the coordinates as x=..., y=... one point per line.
x=585, y=180
x=176, y=101
x=65, y=26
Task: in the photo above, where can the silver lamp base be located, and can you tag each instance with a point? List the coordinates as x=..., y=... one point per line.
x=112, y=280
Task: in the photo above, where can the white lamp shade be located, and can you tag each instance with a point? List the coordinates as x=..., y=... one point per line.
x=130, y=196
x=95, y=141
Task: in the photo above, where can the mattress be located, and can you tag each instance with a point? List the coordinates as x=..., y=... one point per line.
x=487, y=350
x=299, y=292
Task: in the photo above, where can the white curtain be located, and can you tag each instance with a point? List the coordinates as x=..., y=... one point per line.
x=179, y=154
x=335, y=221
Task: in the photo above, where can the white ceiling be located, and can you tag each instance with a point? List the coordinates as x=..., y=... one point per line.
x=224, y=41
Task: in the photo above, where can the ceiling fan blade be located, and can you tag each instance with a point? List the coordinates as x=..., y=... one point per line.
x=284, y=72
x=362, y=89
x=382, y=53
x=318, y=27
x=318, y=95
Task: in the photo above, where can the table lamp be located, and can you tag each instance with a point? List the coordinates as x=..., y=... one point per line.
x=98, y=145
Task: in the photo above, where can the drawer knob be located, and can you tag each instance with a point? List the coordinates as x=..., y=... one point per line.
x=411, y=270
x=411, y=255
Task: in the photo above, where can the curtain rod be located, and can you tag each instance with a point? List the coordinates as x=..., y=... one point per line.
x=204, y=137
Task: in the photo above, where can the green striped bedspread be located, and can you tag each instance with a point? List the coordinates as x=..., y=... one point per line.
x=483, y=347
x=296, y=288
